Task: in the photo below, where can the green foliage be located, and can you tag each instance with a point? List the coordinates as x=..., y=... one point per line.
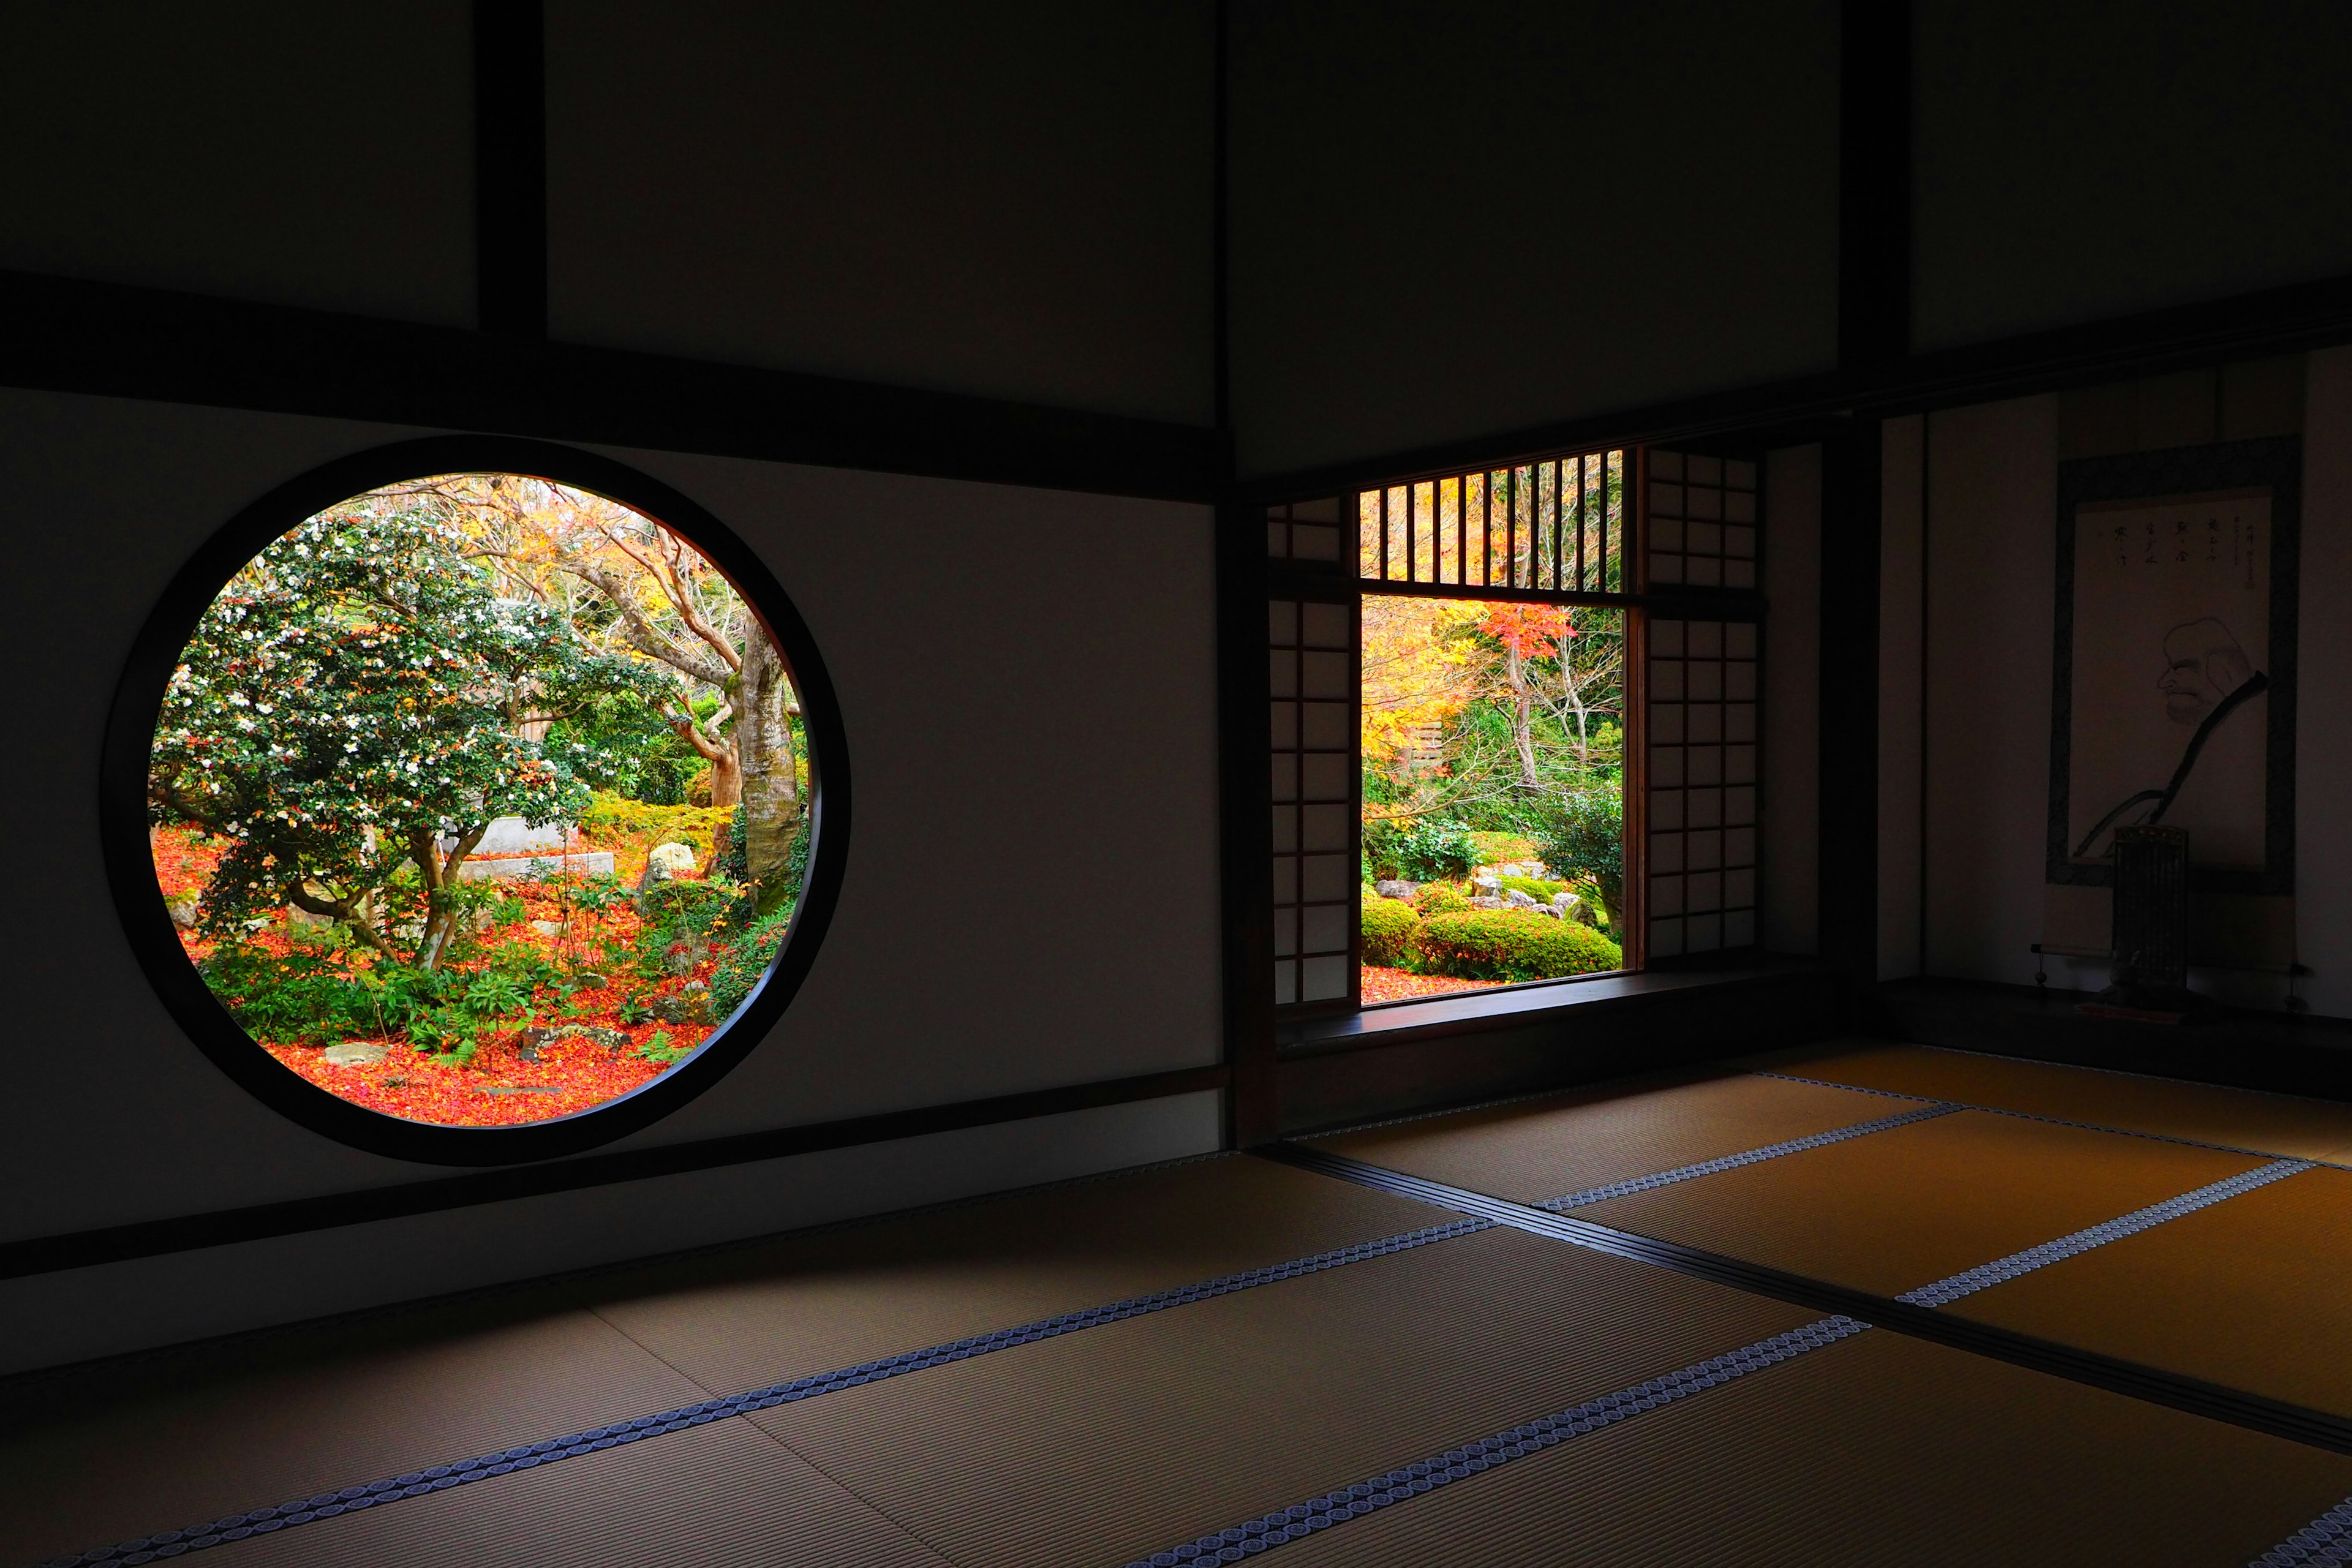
x=746, y=960
x=1439, y=898
x=1420, y=849
x=1541, y=891
x=639, y=754
x=1511, y=945
x=356, y=694
x=659, y=1049
x=1582, y=833
x=1389, y=926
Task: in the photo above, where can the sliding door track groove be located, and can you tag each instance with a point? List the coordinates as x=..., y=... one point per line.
x=2195, y=1396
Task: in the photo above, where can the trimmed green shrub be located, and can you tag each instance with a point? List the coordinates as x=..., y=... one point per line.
x=1541, y=892
x=1439, y=898
x=610, y=817
x=1511, y=945
x=1389, y=928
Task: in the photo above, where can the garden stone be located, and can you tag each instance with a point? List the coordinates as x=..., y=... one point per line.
x=1488, y=886
x=1518, y=900
x=693, y=1009
x=666, y=863
x=589, y=981
x=355, y=1054
x=528, y=1043
x=1396, y=890
x=682, y=957
x=1482, y=903
x=548, y=928
x=302, y=916
x=594, y=1033
x=1570, y=907
x=183, y=913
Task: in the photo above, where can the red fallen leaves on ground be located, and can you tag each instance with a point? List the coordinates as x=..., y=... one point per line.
x=571, y=1074
x=1397, y=985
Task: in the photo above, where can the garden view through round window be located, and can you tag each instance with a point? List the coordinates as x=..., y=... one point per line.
x=480, y=800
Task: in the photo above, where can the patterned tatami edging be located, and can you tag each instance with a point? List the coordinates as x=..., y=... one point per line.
x=2195, y=1396
x=1749, y=1157
x=441, y=1477
x=1984, y=1276
x=2325, y=1542
x=2037, y=1116
x=1405, y=1482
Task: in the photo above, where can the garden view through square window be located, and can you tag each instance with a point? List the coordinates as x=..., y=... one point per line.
x=1492, y=730
x=480, y=800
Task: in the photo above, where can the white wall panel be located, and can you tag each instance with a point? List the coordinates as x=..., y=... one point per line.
x=1790, y=883
x=271, y=149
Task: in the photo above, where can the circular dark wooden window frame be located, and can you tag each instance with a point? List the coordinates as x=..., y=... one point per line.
x=146, y=921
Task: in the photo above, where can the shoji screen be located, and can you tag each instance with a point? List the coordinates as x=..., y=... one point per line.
x=1311, y=678
x=1702, y=806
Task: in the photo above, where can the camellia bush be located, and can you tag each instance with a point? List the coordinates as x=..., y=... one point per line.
x=1511, y=945
x=358, y=701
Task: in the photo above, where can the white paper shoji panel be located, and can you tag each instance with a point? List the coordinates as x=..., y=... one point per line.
x=1702, y=520
x=1311, y=672
x=1704, y=728
x=1304, y=530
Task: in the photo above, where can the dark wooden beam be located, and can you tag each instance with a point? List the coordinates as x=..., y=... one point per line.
x=1848, y=870
x=61, y=334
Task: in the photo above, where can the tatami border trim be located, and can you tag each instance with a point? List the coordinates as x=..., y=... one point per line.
x=1408, y=1481
x=1748, y=1157
x=2195, y=1396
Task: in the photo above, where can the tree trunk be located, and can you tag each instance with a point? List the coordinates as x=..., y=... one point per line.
x=440, y=873
x=727, y=777
x=768, y=785
x=1523, y=713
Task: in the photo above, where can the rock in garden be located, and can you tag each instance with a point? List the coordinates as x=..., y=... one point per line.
x=1517, y=900
x=681, y=957
x=1570, y=907
x=589, y=981
x=595, y=1035
x=1484, y=903
x=1488, y=886
x=1396, y=890
x=693, y=1009
x=527, y=1044
x=183, y=913
x=354, y=1054
x=548, y=928
x=666, y=863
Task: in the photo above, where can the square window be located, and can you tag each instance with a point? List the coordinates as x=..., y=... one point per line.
x=1666, y=767
x=1326, y=878
x=1706, y=727
x=1701, y=469
x=1706, y=679
x=1666, y=680
x=1705, y=640
x=1328, y=776
x=1739, y=928
x=1666, y=723
x=1665, y=938
x=1666, y=638
x=1705, y=501
x=1328, y=726
x=1284, y=726
x=1666, y=895
x=1286, y=932
x=1285, y=879
x=1286, y=983
x=1667, y=809
x=1704, y=571
x=1666, y=465
x=1325, y=827
x=1282, y=624
x=1665, y=853
x=1703, y=933
x=1703, y=850
x=1285, y=829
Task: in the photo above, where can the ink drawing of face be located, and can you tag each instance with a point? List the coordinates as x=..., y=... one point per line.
x=2203, y=664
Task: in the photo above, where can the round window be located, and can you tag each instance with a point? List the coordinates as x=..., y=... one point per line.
x=478, y=802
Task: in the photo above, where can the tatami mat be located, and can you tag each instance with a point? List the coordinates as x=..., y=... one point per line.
x=1530, y=1151
x=92, y=1460
x=2274, y=1123
x=1901, y=1208
x=766, y=1315
x=1875, y=1451
x=2255, y=1293
x=1103, y=1445
x=86, y=1459
x=723, y=1496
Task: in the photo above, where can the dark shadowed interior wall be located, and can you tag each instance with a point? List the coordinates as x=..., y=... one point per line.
x=2092, y=158
x=1455, y=221
x=1008, y=200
